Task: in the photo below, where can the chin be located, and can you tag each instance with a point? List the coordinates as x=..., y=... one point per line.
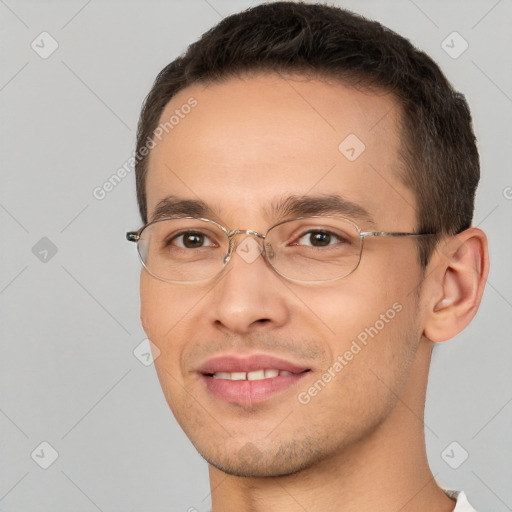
x=249, y=461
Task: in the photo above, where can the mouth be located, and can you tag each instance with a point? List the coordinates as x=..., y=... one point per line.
x=261, y=374
x=249, y=380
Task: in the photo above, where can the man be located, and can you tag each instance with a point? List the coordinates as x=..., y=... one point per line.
x=306, y=179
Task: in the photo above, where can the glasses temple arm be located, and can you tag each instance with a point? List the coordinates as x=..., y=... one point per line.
x=132, y=236
x=365, y=234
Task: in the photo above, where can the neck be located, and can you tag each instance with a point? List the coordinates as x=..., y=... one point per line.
x=386, y=471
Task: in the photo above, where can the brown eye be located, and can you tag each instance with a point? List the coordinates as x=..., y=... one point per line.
x=319, y=239
x=191, y=240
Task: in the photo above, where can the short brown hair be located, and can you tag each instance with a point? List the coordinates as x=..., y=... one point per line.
x=438, y=144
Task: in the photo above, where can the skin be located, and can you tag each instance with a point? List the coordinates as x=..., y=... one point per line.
x=358, y=445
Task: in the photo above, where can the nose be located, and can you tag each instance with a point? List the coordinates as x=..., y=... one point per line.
x=249, y=295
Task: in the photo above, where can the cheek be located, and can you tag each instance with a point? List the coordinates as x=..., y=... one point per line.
x=375, y=308
x=152, y=307
x=352, y=305
x=165, y=312
x=371, y=348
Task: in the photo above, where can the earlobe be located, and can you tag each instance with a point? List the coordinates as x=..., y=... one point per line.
x=461, y=269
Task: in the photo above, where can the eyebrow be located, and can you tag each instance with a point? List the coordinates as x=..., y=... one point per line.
x=331, y=204
x=289, y=206
x=172, y=206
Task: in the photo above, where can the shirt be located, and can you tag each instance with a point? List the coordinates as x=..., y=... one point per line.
x=462, y=504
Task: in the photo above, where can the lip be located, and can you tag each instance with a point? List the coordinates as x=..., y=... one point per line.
x=249, y=392
x=238, y=363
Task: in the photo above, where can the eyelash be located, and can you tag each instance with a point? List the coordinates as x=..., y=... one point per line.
x=181, y=235
x=172, y=239
x=332, y=234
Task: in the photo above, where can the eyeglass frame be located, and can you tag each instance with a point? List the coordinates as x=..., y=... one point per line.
x=134, y=236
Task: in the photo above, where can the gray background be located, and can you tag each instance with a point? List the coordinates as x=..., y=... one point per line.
x=70, y=323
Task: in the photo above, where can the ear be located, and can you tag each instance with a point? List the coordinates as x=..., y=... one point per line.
x=461, y=266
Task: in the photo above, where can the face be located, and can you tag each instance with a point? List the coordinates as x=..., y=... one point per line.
x=246, y=146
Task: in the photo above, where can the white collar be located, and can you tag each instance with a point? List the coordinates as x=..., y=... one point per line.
x=462, y=501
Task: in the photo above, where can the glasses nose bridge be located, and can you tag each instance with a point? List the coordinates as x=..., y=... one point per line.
x=232, y=244
x=250, y=232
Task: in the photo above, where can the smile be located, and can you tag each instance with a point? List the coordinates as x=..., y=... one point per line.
x=254, y=375
x=251, y=379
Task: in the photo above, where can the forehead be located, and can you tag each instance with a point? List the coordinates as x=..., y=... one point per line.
x=244, y=143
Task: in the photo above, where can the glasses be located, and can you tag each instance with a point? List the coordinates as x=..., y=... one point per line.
x=313, y=249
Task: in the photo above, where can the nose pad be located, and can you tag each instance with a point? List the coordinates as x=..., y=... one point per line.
x=269, y=250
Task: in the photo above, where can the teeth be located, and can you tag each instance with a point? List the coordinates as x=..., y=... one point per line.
x=254, y=375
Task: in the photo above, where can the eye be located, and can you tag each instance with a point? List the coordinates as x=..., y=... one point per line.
x=319, y=238
x=191, y=240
